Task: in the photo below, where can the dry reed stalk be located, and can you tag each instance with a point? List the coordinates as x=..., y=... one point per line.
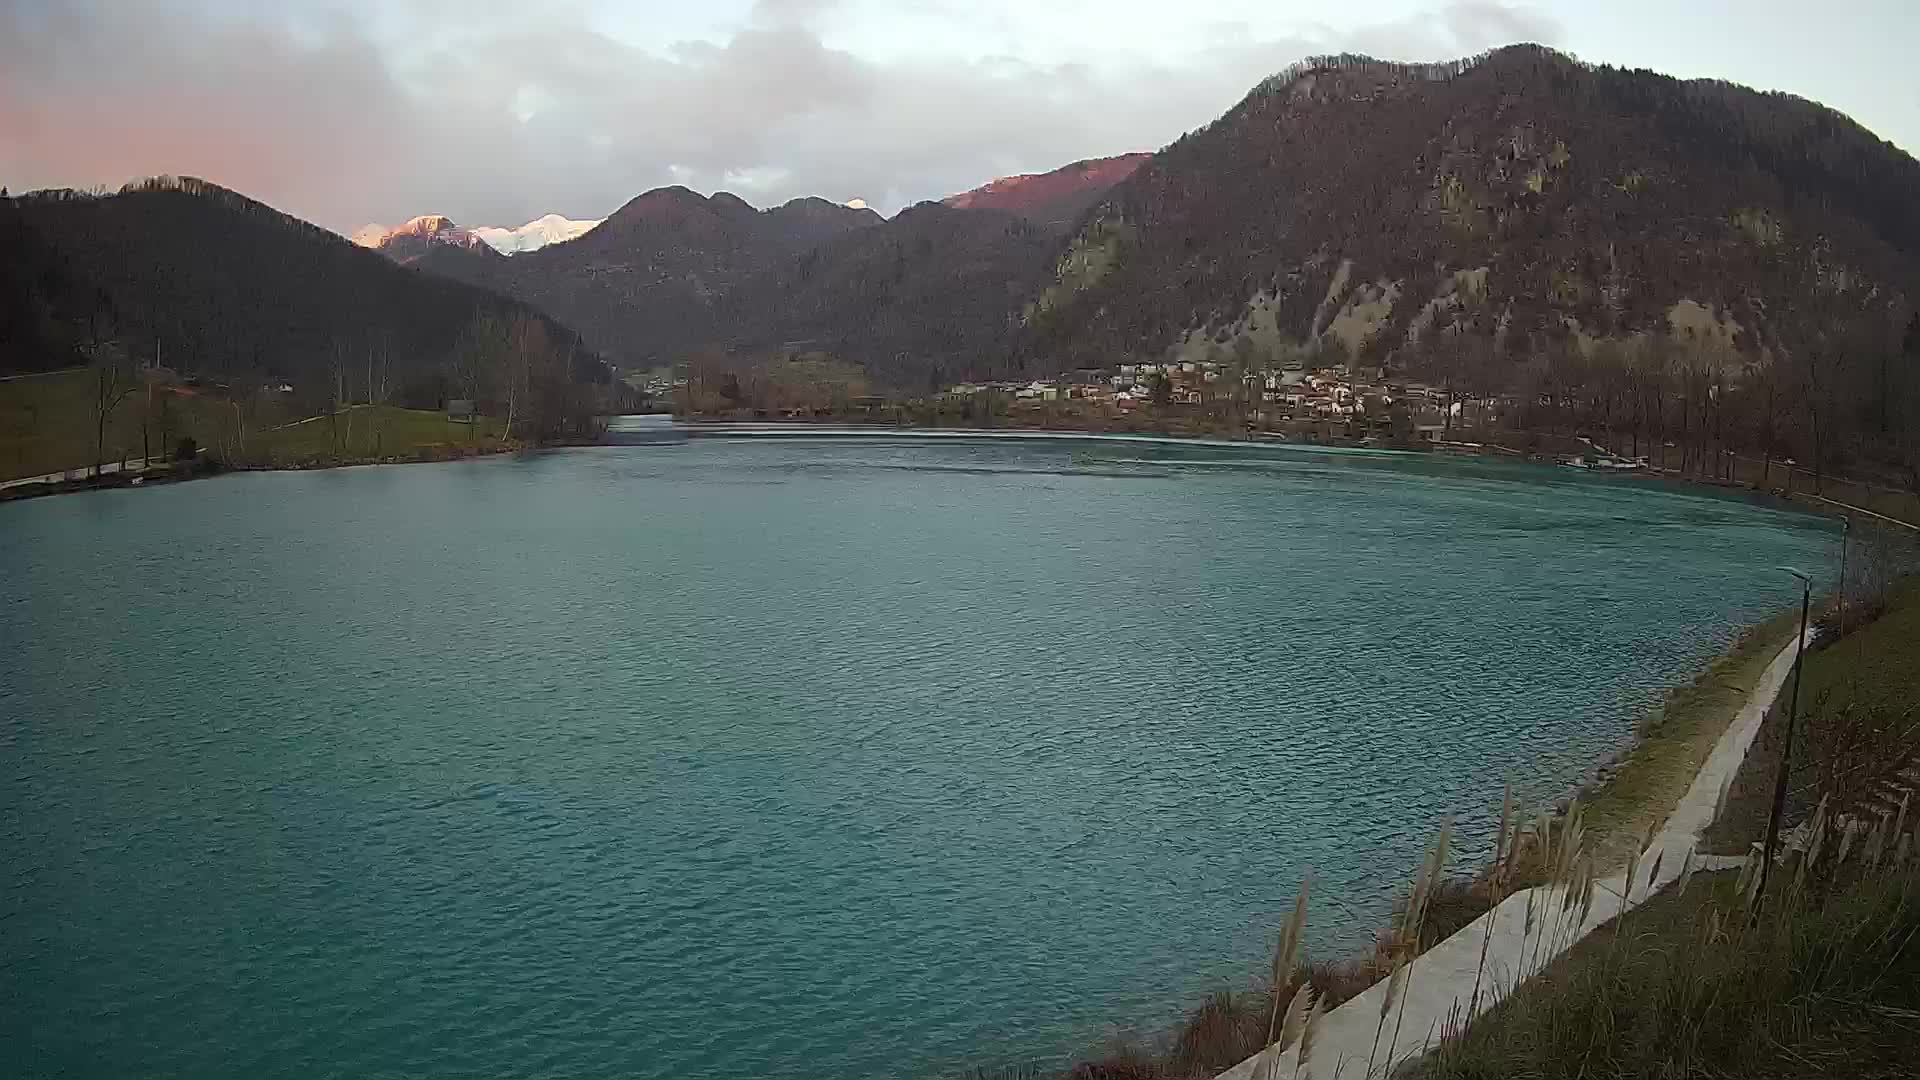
x=1496, y=892
x=1289, y=1029
x=1747, y=866
x=1308, y=1032
x=1590, y=876
x=1395, y=983
x=1847, y=833
x=1875, y=842
x=1430, y=871
x=1286, y=951
x=1686, y=872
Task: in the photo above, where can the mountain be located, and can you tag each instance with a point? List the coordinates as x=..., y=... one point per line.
x=1056, y=198
x=645, y=284
x=408, y=242
x=44, y=302
x=931, y=295
x=1509, y=202
x=673, y=271
x=213, y=283
x=534, y=235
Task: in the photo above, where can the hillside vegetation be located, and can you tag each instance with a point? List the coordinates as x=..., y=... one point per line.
x=931, y=294
x=646, y=285
x=1633, y=255
x=228, y=302
x=47, y=425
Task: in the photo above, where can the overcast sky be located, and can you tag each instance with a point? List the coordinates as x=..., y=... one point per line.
x=495, y=112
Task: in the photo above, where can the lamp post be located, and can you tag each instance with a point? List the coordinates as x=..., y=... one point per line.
x=1786, y=752
x=1846, y=531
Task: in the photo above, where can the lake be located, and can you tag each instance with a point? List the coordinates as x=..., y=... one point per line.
x=786, y=758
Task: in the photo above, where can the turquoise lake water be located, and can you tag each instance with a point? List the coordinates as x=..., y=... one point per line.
x=785, y=758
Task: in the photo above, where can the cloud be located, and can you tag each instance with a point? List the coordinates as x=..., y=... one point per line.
x=496, y=113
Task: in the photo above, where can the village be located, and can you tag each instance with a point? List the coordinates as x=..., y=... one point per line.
x=1334, y=403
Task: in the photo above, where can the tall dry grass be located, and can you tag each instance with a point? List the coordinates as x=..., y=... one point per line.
x=1824, y=982
x=1231, y=1027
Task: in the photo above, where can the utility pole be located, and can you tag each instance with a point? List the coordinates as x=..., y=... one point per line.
x=1786, y=752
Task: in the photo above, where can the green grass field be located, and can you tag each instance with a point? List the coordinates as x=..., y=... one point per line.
x=47, y=425
x=1858, y=725
x=369, y=433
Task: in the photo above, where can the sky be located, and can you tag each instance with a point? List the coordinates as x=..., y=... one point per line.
x=494, y=112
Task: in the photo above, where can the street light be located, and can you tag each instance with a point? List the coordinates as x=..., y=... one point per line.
x=1786, y=753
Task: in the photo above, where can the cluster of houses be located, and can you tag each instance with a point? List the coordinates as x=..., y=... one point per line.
x=1333, y=401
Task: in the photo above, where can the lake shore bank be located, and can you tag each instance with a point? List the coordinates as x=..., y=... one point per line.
x=160, y=474
x=1642, y=790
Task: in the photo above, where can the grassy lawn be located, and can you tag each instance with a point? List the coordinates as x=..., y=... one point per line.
x=47, y=425
x=1877, y=665
x=370, y=433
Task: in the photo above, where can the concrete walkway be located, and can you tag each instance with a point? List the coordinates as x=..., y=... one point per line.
x=1440, y=983
x=134, y=465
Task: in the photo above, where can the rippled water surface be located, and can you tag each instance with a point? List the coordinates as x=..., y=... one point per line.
x=785, y=759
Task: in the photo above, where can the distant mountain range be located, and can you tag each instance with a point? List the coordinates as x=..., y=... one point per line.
x=673, y=270
x=1491, y=222
x=645, y=285
x=534, y=235
x=407, y=242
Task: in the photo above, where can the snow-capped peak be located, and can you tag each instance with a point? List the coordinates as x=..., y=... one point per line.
x=535, y=234
x=371, y=235
x=427, y=229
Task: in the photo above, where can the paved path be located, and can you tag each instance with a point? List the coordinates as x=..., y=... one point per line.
x=133, y=466
x=1439, y=987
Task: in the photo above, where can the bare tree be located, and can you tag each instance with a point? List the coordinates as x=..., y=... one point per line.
x=527, y=352
x=379, y=360
x=476, y=357
x=337, y=391
x=112, y=378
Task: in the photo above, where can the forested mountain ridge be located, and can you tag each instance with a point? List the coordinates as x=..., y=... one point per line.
x=1055, y=198
x=44, y=303
x=1505, y=220
x=643, y=285
x=936, y=289
x=931, y=296
x=192, y=276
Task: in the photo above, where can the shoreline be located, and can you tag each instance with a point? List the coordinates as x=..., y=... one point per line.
x=1650, y=784
x=683, y=430
x=1671, y=742
x=208, y=467
x=1492, y=953
x=1803, y=502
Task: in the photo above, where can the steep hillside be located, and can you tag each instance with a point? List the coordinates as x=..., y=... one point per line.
x=215, y=283
x=1411, y=211
x=931, y=296
x=643, y=286
x=43, y=301
x=1057, y=198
